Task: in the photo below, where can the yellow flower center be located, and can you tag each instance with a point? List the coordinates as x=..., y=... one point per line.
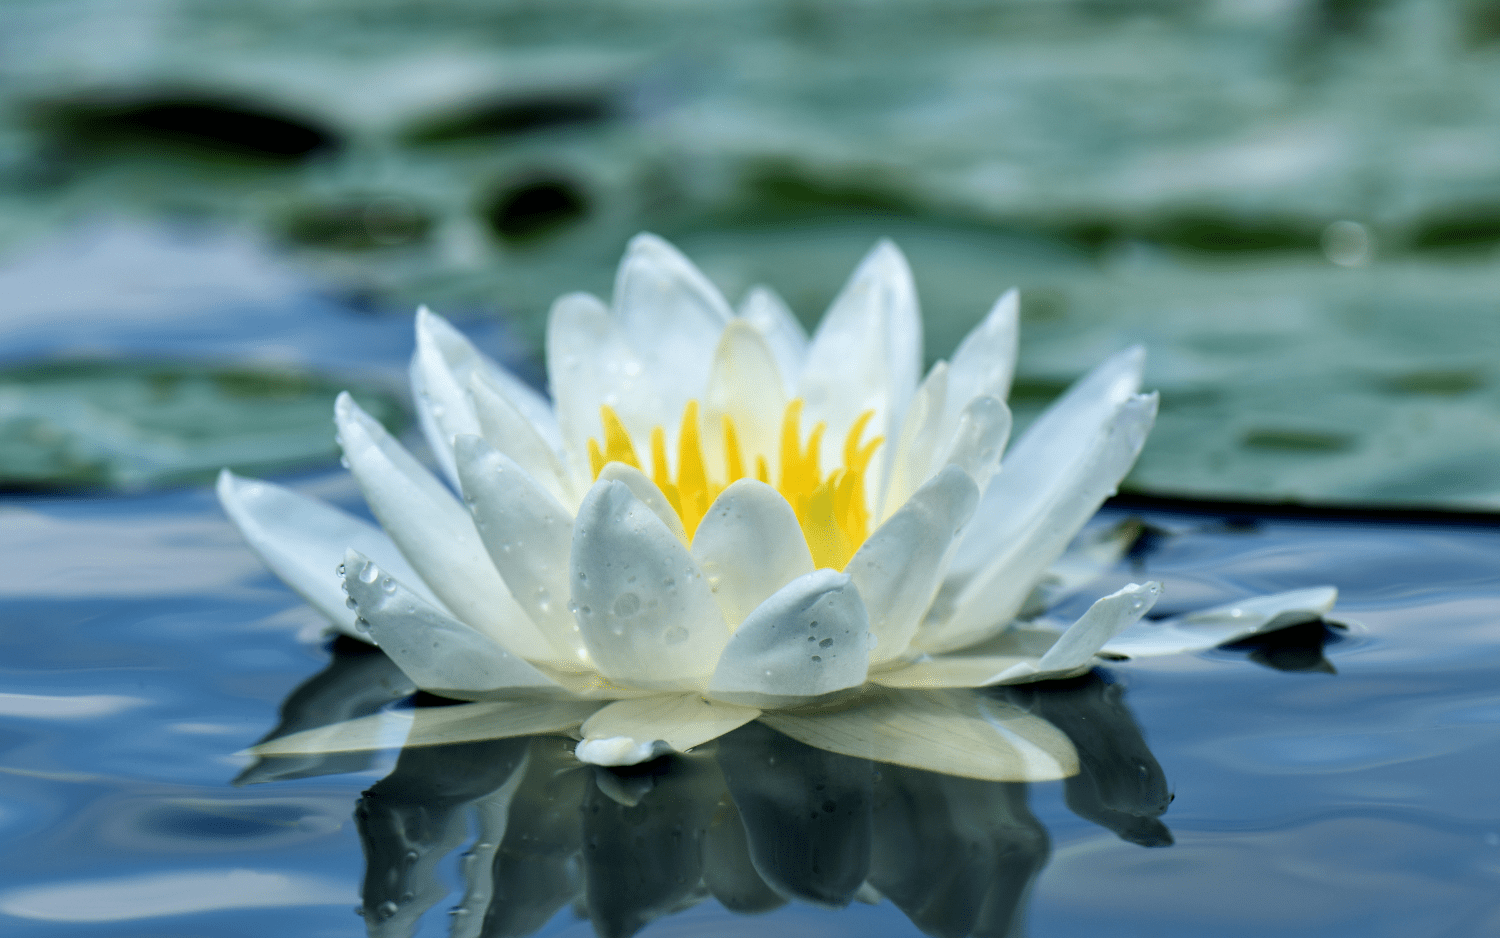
x=833, y=510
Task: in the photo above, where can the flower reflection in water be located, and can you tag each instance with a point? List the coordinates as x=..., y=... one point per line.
x=752, y=820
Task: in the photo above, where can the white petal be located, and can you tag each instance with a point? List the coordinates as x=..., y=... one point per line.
x=644, y=489
x=970, y=608
x=440, y=369
x=898, y=569
x=912, y=459
x=303, y=541
x=504, y=427
x=528, y=535
x=589, y=363
x=973, y=667
x=1231, y=622
x=749, y=545
x=978, y=439
x=952, y=732
x=671, y=317
x=439, y=653
x=866, y=354
x=744, y=385
x=627, y=732
x=810, y=638
x=434, y=533
x=986, y=359
x=1087, y=558
x=1075, y=649
x=774, y=320
x=435, y=726
x=645, y=610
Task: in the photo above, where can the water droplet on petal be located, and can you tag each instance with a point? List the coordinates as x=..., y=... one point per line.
x=388, y=584
x=369, y=574
x=825, y=643
x=817, y=657
x=676, y=635
x=627, y=605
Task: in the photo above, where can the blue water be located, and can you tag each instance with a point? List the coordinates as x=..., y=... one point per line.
x=1330, y=782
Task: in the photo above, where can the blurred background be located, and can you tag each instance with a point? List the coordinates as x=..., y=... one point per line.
x=213, y=216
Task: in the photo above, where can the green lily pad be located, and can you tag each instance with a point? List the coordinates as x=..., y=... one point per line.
x=141, y=424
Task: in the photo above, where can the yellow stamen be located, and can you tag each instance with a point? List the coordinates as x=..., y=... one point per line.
x=833, y=510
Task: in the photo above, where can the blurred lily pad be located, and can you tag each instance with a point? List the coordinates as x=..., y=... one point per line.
x=127, y=424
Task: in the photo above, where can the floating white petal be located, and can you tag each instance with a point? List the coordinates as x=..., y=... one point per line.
x=1231, y=622
x=630, y=731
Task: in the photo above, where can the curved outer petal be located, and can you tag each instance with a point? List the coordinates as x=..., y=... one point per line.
x=866, y=354
x=589, y=363
x=1075, y=649
x=628, y=732
x=967, y=611
x=810, y=638
x=644, y=608
x=303, y=541
x=764, y=309
x=504, y=427
x=528, y=536
x=440, y=369
x=1230, y=622
x=749, y=545
x=745, y=385
x=898, y=569
x=952, y=732
x=434, y=533
x=436, y=726
x=439, y=653
x=644, y=489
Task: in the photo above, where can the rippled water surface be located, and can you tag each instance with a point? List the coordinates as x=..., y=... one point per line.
x=1328, y=781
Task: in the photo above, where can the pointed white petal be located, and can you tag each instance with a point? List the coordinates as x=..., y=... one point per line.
x=744, y=385
x=1231, y=622
x=644, y=489
x=303, y=541
x=898, y=569
x=866, y=354
x=589, y=364
x=912, y=459
x=439, y=653
x=749, y=545
x=985, y=360
x=952, y=732
x=955, y=671
x=810, y=638
x=978, y=439
x=644, y=608
x=973, y=606
x=774, y=320
x=627, y=732
x=434, y=533
x=504, y=427
x=528, y=536
x=440, y=369
x=1040, y=461
x=464, y=361
x=671, y=316
x=435, y=726
x=1075, y=649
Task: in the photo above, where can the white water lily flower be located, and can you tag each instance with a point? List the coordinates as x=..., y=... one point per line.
x=718, y=519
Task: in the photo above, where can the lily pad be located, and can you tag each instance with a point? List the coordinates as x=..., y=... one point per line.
x=128, y=424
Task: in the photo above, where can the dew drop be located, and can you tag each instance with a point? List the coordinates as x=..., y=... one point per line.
x=388, y=584
x=351, y=603
x=676, y=635
x=627, y=605
x=387, y=909
x=582, y=577
x=825, y=643
x=369, y=574
x=669, y=582
x=543, y=599
x=344, y=461
x=817, y=657
x=812, y=638
x=341, y=569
